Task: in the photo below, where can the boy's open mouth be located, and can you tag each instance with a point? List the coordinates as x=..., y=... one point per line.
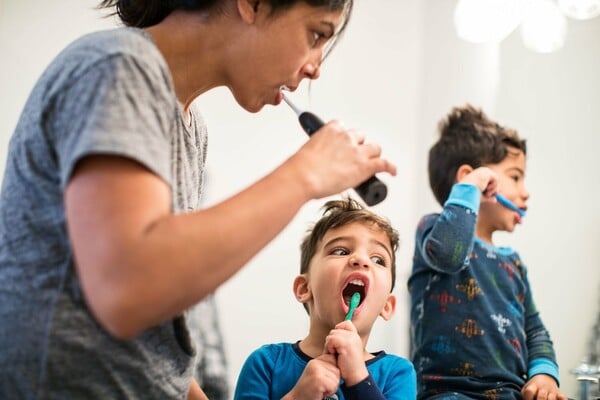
x=353, y=286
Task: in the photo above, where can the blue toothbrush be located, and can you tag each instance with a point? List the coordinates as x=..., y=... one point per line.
x=353, y=304
x=508, y=204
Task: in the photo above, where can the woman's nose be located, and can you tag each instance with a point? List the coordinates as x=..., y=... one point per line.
x=312, y=65
x=312, y=70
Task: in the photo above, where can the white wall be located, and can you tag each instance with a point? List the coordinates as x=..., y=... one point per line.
x=395, y=73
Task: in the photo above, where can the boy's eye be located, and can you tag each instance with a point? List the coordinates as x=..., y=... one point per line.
x=340, y=252
x=378, y=260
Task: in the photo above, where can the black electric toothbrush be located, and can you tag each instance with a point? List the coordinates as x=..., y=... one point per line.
x=372, y=191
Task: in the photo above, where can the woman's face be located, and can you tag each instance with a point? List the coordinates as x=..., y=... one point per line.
x=280, y=49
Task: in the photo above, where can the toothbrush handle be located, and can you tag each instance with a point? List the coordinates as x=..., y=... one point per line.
x=508, y=204
x=310, y=122
x=372, y=191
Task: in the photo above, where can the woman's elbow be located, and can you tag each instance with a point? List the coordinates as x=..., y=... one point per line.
x=115, y=314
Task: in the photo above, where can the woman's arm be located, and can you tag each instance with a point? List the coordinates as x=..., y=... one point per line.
x=140, y=265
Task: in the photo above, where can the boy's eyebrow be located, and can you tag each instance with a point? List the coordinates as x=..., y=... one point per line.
x=384, y=247
x=519, y=170
x=350, y=238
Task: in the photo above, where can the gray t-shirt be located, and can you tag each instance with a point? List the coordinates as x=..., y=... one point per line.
x=109, y=92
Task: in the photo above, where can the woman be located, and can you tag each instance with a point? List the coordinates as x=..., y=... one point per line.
x=102, y=243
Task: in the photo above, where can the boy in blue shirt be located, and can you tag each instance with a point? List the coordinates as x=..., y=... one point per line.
x=350, y=249
x=476, y=333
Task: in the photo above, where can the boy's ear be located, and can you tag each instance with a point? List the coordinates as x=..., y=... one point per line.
x=301, y=289
x=389, y=308
x=248, y=9
x=463, y=171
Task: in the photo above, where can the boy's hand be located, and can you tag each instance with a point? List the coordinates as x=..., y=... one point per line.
x=485, y=179
x=320, y=378
x=344, y=341
x=542, y=387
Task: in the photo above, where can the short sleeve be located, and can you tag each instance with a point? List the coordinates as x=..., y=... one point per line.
x=118, y=106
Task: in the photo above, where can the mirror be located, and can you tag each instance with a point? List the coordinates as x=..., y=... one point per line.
x=399, y=68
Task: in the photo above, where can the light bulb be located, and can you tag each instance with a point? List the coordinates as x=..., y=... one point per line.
x=544, y=27
x=483, y=21
x=580, y=9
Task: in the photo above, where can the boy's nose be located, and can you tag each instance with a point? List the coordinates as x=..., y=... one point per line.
x=359, y=261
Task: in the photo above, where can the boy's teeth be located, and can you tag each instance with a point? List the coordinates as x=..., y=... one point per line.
x=357, y=282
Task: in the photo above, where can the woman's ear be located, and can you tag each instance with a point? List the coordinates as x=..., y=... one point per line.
x=463, y=171
x=389, y=308
x=301, y=289
x=248, y=10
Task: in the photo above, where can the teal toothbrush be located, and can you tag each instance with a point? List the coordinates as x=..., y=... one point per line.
x=353, y=304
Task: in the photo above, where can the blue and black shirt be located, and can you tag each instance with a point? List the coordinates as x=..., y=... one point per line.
x=475, y=329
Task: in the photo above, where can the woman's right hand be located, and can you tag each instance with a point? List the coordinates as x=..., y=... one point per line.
x=336, y=159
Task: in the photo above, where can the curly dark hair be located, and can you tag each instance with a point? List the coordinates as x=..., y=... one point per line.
x=467, y=136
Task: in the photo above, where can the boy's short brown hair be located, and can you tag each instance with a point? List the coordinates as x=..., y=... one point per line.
x=338, y=213
x=467, y=136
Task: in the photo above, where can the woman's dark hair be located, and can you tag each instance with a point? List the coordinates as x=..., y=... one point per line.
x=145, y=13
x=467, y=136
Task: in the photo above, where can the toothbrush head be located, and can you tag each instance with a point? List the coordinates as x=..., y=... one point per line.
x=353, y=304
